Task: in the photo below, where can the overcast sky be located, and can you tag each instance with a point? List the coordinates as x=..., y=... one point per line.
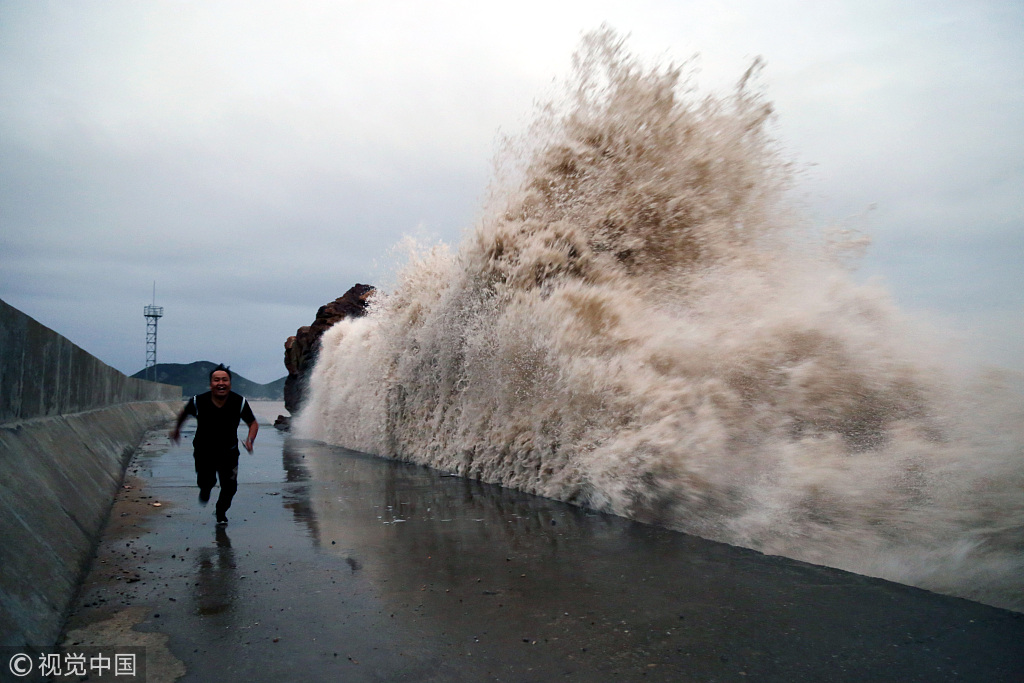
x=255, y=159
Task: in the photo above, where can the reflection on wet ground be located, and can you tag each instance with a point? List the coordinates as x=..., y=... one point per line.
x=216, y=579
x=344, y=566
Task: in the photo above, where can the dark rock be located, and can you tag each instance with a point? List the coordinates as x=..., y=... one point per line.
x=300, y=350
x=283, y=423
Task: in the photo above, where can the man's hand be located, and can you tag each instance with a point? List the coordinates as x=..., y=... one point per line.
x=175, y=435
x=248, y=445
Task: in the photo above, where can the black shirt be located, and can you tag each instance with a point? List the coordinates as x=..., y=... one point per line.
x=218, y=427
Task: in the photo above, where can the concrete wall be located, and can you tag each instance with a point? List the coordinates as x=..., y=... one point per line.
x=68, y=426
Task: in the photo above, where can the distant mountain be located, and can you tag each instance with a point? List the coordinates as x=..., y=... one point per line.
x=194, y=378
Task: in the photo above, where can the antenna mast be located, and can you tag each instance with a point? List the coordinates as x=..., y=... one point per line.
x=153, y=314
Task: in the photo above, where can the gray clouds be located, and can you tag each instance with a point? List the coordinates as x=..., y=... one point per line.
x=255, y=159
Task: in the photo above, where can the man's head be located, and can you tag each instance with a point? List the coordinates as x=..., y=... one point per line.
x=220, y=381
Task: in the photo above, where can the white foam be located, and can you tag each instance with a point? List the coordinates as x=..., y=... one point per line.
x=641, y=324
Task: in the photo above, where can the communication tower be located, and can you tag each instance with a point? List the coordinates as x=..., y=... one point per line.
x=153, y=314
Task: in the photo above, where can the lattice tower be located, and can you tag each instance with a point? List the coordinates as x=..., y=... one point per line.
x=153, y=314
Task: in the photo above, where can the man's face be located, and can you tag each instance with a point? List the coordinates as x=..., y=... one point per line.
x=220, y=384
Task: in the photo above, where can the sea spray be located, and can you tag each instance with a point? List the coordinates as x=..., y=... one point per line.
x=640, y=323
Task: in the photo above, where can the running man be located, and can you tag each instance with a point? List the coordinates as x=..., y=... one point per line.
x=215, y=445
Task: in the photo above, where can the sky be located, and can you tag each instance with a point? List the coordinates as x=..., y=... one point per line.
x=256, y=159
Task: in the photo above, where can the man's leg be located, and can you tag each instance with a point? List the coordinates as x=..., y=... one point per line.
x=228, y=475
x=206, y=475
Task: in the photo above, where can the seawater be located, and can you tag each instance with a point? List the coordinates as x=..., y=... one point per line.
x=642, y=323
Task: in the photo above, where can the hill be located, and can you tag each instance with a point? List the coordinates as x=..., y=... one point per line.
x=194, y=378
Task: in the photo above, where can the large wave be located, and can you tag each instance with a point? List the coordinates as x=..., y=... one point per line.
x=641, y=323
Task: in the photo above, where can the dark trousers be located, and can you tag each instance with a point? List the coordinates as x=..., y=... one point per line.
x=212, y=467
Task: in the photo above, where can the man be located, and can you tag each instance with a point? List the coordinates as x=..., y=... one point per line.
x=215, y=445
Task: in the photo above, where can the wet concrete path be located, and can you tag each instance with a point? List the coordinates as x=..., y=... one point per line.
x=339, y=566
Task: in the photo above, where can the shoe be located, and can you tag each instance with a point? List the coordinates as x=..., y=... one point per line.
x=222, y=519
x=204, y=496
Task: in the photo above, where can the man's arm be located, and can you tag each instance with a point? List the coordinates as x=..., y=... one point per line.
x=254, y=427
x=182, y=416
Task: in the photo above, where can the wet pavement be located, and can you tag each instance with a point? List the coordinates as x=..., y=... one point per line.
x=340, y=566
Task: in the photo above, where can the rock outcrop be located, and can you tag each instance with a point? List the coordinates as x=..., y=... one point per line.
x=300, y=350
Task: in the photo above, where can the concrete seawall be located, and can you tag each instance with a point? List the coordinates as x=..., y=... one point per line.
x=68, y=425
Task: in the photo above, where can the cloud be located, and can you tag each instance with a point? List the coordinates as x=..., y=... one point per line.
x=257, y=158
